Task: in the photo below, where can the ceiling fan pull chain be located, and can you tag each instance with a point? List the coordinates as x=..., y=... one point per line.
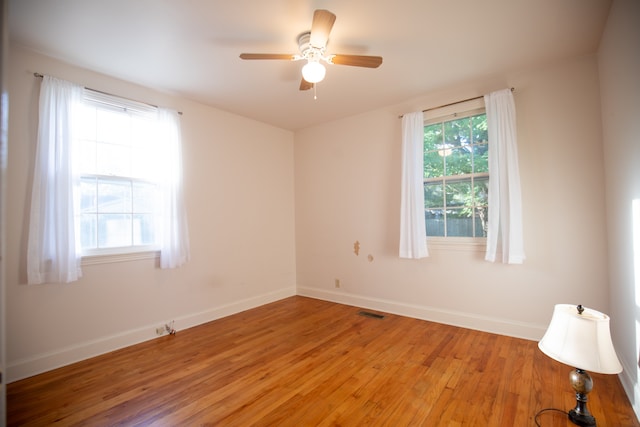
x=315, y=96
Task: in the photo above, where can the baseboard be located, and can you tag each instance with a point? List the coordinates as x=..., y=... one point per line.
x=45, y=362
x=24, y=368
x=455, y=318
x=631, y=386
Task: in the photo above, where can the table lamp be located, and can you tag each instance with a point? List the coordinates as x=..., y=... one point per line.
x=580, y=337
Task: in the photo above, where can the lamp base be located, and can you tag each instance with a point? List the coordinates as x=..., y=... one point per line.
x=583, y=420
x=582, y=384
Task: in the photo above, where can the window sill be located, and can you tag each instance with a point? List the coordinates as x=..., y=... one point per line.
x=108, y=258
x=467, y=244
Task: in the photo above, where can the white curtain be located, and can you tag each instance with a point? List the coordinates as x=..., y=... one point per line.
x=53, y=251
x=174, y=239
x=505, y=205
x=413, y=239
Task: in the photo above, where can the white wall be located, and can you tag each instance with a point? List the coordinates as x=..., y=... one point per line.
x=348, y=189
x=619, y=63
x=239, y=194
x=4, y=105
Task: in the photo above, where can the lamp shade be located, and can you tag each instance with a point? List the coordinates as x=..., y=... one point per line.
x=313, y=72
x=581, y=340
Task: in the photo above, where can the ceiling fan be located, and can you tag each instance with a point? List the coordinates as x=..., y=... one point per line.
x=312, y=45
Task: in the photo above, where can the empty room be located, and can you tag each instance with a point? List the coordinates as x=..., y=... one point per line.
x=320, y=212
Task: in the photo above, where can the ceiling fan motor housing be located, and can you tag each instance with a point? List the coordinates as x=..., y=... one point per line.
x=308, y=51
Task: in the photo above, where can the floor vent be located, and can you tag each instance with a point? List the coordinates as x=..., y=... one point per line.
x=369, y=314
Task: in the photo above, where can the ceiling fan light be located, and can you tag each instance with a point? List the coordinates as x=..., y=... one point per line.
x=313, y=72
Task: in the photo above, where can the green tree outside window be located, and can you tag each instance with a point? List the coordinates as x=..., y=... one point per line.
x=456, y=176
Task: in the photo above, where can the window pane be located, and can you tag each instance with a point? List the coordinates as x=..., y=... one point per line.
x=89, y=231
x=142, y=131
x=142, y=144
x=142, y=165
x=481, y=191
x=114, y=196
x=433, y=195
x=114, y=230
x=459, y=224
x=458, y=193
x=113, y=159
x=481, y=158
x=143, y=229
x=113, y=126
x=144, y=197
x=480, y=217
x=457, y=132
x=479, y=128
x=432, y=136
x=88, y=195
x=433, y=164
x=86, y=123
x=481, y=214
x=459, y=161
x=87, y=157
x=434, y=222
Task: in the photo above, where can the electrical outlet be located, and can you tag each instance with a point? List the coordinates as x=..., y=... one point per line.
x=169, y=328
x=338, y=283
x=159, y=330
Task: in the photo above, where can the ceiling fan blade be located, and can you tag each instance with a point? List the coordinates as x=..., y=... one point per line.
x=321, y=27
x=268, y=56
x=356, y=60
x=305, y=85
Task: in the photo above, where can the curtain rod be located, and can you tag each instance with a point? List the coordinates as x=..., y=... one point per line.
x=38, y=75
x=453, y=103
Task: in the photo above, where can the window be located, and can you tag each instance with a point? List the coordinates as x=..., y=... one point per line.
x=446, y=182
x=107, y=177
x=456, y=175
x=119, y=181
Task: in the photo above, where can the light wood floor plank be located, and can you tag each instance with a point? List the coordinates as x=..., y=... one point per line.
x=306, y=362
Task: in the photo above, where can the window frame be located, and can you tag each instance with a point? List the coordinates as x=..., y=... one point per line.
x=440, y=115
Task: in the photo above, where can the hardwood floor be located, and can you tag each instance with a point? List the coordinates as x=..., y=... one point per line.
x=306, y=362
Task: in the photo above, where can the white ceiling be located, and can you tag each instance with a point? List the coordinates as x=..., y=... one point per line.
x=191, y=47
